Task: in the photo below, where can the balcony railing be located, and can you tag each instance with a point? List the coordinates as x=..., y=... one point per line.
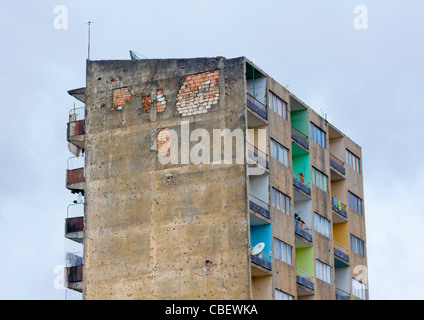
x=301, y=183
x=73, y=269
x=257, y=155
x=259, y=206
x=257, y=106
x=76, y=124
x=342, y=295
x=305, y=279
x=263, y=259
x=303, y=231
x=75, y=172
x=339, y=207
x=337, y=164
x=341, y=252
x=300, y=137
x=74, y=223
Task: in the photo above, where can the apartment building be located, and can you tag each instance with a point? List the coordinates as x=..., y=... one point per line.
x=206, y=179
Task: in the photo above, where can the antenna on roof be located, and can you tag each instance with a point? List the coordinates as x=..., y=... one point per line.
x=135, y=56
x=89, y=22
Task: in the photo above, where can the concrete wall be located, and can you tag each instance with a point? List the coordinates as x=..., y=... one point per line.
x=148, y=236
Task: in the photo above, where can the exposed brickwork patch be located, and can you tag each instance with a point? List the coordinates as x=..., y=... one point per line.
x=160, y=101
x=120, y=97
x=198, y=93
x=147, y=103
x=163, y=142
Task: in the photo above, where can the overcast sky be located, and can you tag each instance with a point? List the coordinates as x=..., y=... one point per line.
x=370, y=81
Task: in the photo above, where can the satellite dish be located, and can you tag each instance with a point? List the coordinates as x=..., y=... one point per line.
x=133, y=56
x=258, y=248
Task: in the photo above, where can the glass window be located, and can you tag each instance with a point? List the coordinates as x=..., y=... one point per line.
x=355, y=203
x=283, y=251
x=319, y=179
x=358, y=289
x=357, y=245
x=279, y=153
x=280, y=201
x=277, y=105
x=317, y=135
x=322, y=225
x=324, y=271
x=353, y=161
x=280, y=295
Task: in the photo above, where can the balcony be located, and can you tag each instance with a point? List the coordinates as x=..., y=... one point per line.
x=305, y=283
x=342, y=295
x=76, y=127
x=337, y=168
x=74, y=271
x=75, y=180
x=74, y=222
x=262, y=259
x=259, y=206
x=303, y=233
x=258, y=156
x=340, y=209
x=300, y=137
x=257, y=106
x=341, y=255
x=301, y=183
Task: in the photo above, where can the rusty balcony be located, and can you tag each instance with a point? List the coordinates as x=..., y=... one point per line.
x=76, y=127
x=74, y=223
x=75, y=180
x=73, y=272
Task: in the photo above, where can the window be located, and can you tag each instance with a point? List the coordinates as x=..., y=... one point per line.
x=283, y=251
x=358, y=289
x=324, y=271
x=357, y=245
x=280, y=201
x=353, y=161
x=318, y=135
x=355, y=203
x=277, y=105
x=319, y=179
x=280, y=295
x=280, y=153
x=322, y=225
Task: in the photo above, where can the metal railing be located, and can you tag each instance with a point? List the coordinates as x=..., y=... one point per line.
x=303, y=230
x=76, y=163
x=339, y=207
x=259, y=206
x=300, y=137
x=257, y=106
x=263, y=259
x=341, y=252
x=75, y=210
x=77, y=114
x=342, y=295
x=305, y=275
x=257, y=155
x=337, y=163
x=305, y=279
x=301, y=179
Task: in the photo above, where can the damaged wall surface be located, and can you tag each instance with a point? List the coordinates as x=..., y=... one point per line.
x=155, y=231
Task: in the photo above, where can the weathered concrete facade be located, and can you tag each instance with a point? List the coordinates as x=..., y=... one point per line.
x=185, y=228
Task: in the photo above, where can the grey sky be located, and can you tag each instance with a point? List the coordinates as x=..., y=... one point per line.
x=370, y=82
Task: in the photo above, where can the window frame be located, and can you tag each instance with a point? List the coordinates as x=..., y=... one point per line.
x=280, y=109
x=318, y=135
x=280, y=294
x=357, y=245
x=278, y=151
x=321, y=183
x=328, y=271
x=355, y=203
x=319, y=222
x=359, y=287
x=282, y=199
x=285, y=254
x=353, y=161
